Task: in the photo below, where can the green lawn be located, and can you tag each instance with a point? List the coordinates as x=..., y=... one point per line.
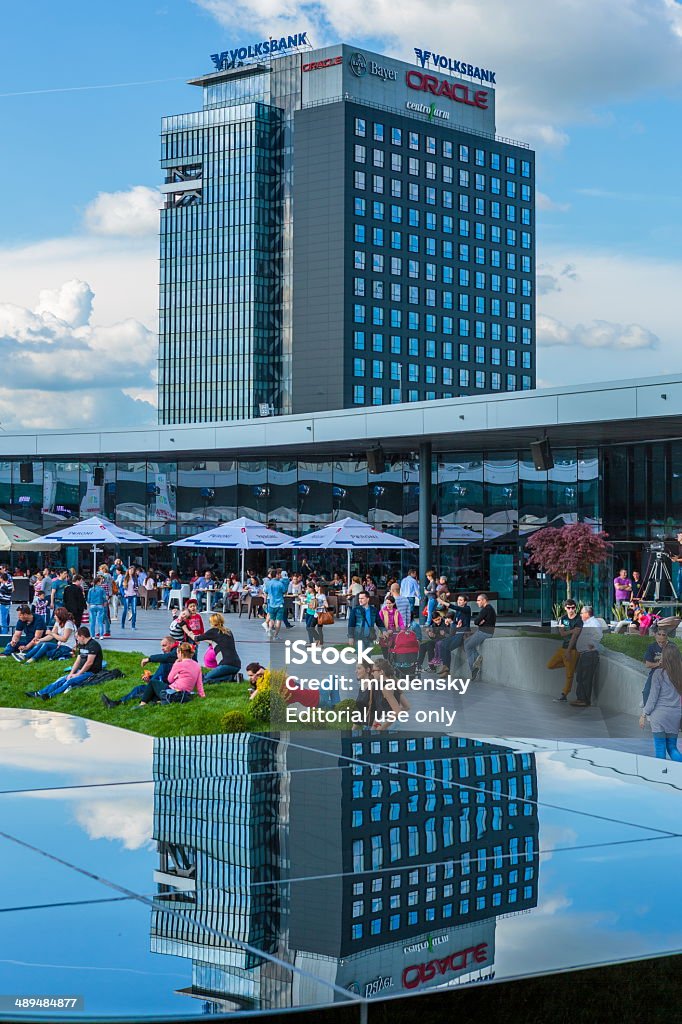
x=631, y=644
x=198, y=716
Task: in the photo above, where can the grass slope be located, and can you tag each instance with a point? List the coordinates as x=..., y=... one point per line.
x=196, y=717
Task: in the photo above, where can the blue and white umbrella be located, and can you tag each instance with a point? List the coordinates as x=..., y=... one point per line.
x=241, y=534
x=96, y=531
x=349, y=534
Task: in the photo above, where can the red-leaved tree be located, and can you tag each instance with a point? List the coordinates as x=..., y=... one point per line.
x=568, y=551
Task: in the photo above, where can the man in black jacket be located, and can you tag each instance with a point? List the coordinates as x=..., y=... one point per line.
x=486, y=621
x=73, y=599
x=152, y=689
x=362, y=620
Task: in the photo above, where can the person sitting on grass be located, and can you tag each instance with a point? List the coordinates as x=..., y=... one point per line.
x=153, y=686
x=183, y=679
x=28, y=633
x=86, y=665
x=57, y=642
x=222, y=642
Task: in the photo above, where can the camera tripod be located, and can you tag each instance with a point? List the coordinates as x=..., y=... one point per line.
x=657, y=573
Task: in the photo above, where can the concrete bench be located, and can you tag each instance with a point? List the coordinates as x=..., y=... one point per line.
x=520, y=662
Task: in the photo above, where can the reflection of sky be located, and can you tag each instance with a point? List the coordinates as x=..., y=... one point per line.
x=616, y=900
x=609, y=875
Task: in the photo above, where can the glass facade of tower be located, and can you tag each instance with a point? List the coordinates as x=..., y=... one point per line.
x=329, y=242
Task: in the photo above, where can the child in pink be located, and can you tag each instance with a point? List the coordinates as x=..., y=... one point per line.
x=185, y=674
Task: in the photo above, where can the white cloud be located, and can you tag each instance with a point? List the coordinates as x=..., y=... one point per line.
x=122, y=273
x=131, y=213
x=72, y=303
x=598, y=334
x=544, y=202
x=128, y=819
x=627, y=310
x=556, y=63
x=55, y=348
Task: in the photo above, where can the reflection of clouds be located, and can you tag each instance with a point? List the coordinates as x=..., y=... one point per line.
x=53, y=748
x=66, y=730
x=128, y=820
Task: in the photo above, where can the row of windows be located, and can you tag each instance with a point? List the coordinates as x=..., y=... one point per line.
x=417, y=193
x=478, y=279
x=483, y=881
x=429, y=914
x=415, y=243
x=429, y=145
x=395, y=318
x=415, y=216
x=413, y=372
x=429, y=170
x=374, y=395
x=429, y=297
x=429, y=349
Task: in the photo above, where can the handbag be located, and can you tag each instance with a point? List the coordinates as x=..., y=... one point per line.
x=325, y=618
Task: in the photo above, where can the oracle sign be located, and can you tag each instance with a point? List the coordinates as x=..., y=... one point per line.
x=418, y=974
x=318, y=64
x=456, y=91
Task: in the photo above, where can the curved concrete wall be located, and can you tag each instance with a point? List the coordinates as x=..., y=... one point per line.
x=520, y=662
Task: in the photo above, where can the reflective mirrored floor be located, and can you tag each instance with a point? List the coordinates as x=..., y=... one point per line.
x=243, y=873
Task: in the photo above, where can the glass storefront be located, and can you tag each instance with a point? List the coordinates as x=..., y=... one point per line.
x=484, y=505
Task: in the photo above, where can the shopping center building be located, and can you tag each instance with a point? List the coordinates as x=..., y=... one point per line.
x=341, y=229
x=455, y=475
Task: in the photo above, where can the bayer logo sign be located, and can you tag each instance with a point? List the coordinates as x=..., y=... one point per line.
x=358, y=64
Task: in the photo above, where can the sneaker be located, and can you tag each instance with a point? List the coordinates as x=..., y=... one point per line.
x=580, y=704
x=108, y=702
x=275, y=636
x=32, y=693
x=476, y=669
x=68, y=689
x=265, y=625
x=561, y=699
x=106, y=634
x=19, y=657
x=43, y=696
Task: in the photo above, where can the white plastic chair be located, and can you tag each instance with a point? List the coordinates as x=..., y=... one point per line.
x=178, y=597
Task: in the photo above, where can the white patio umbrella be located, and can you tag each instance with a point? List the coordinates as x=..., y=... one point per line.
x=13, y=538
x=239, y=534
x=96, y=531
x=350, y=534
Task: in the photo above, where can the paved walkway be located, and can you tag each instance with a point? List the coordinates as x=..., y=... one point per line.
x=487, y=709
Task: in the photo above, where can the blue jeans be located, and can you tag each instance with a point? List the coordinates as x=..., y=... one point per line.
x=129, y=605
x=430, y=609
x=4, y=618
x=216, y=675
x=97, y=619
x=63, y=683
x=666, y=743
x=472, y=645
x=43, y=650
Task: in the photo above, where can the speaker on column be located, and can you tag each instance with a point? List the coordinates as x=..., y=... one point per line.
x=26, y=472
x=541, y=453
x=99, y=476
x=376, y=460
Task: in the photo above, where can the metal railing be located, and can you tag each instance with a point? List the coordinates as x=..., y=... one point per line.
x=396, y=110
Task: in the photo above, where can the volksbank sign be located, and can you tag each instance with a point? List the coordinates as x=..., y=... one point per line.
x=458, y=67
x=268, y=48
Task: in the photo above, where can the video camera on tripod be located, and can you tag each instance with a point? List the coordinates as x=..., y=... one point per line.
x=657, y=573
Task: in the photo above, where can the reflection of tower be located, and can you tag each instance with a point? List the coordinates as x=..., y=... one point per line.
x=221, y=835
x=377, y=864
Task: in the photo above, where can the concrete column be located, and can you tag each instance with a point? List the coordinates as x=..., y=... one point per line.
x=425, y=552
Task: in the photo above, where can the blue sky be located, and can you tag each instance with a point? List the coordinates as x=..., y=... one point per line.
x=596, y=89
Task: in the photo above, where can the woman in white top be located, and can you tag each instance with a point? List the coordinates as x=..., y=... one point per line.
x=56, y=642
